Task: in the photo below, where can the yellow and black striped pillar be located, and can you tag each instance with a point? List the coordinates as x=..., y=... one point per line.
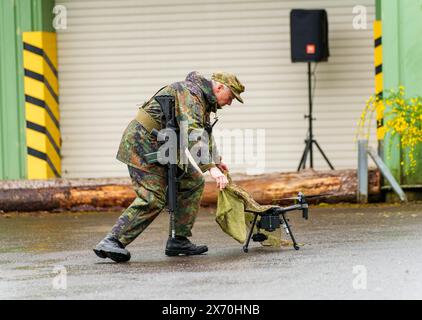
x=42, y=105
x=379, y=86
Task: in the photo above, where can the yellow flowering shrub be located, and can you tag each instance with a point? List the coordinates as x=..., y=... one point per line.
x=403, y=118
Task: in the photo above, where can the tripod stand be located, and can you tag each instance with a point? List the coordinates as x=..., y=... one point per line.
x=310, y=137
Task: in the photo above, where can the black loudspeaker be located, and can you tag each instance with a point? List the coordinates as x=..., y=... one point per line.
x=309, y=35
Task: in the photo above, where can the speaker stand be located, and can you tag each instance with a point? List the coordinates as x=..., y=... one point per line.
x=310, y=137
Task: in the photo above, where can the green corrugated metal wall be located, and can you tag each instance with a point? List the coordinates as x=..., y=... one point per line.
x=16, y=16
x=378, y=9
x=402, y=65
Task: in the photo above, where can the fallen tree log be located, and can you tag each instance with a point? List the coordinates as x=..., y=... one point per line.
x=338, y=185
x=65, y=194
x=113, y=194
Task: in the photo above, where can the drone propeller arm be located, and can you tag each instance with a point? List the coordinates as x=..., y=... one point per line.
x=293, y=207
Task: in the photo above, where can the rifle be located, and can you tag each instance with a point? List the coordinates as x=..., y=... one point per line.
x=167, y=104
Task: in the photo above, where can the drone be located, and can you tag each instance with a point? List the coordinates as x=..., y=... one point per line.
x=275, y=217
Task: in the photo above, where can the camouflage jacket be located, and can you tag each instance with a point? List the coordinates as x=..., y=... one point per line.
x=194, y=101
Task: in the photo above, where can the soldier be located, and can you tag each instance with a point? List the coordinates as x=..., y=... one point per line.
x=195, y=99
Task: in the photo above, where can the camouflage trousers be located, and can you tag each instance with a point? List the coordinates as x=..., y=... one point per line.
x=150, y=188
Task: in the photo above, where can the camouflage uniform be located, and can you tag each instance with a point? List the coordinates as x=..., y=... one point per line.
x=194, y=101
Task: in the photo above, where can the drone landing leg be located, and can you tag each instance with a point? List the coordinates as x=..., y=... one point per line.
x=289, y=231
x=245, y=247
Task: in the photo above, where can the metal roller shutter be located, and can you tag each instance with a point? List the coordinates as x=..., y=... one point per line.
x=114, y=54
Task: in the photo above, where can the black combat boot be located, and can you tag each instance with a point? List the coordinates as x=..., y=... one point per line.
x=112, y=248
x=182, y=245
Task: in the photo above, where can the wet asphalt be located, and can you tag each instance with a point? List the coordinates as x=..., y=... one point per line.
x=348, y=252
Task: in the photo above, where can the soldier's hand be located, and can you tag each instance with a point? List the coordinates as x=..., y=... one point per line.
x=219, y=177
x=222, y=166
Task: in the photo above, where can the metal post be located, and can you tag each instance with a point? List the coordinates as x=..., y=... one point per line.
x=362, y=196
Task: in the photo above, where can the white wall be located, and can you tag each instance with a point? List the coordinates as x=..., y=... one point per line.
x=116, y=54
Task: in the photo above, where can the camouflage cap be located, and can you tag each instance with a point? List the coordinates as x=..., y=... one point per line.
x=231, y=81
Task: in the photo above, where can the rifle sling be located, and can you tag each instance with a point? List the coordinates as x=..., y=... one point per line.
x=147, y=121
